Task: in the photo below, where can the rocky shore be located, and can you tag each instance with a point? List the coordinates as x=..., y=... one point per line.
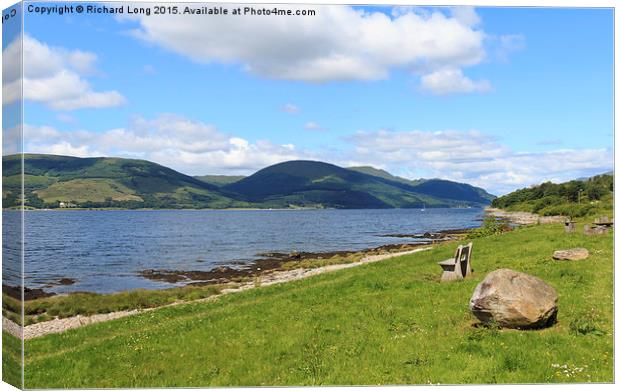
x=268, y=263
x=271, y=268
x=524, y=218
x=275, y=277
x=275, y=261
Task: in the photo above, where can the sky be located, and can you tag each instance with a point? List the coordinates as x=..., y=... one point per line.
x=501, y=98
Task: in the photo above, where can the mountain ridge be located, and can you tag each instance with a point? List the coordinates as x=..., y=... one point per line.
x=132, y=183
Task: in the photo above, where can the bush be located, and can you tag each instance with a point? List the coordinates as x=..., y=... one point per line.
x=586, y=323
x=490, y=226
x=570, y=210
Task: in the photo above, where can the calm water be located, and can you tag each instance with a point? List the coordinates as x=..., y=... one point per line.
x=104, y=250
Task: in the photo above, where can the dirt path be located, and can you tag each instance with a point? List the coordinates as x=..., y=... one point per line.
x=277, y=277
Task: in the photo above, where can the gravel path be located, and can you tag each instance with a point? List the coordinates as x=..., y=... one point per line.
x=277, y=277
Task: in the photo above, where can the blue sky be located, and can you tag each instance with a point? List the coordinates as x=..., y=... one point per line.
x=498, y=97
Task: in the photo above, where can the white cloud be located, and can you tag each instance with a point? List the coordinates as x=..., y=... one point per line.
x=54, y=76
x=12, y=140
x=66, y=118
x=291, y=108
x=313, y=126
x=339, y=43
x=475, y=158
x=451, y=81
x=466, y=15
x=191, y=147
x=509, y=44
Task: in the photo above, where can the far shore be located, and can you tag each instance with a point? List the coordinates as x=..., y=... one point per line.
x=30, y=209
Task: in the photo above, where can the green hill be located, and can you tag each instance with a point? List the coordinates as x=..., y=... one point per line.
x=439, y=188
x=574, y=198
x=58, y=181
x=219, y=180
x=105, y=182
x=385, y=175
x=455, y=191
x=309, y=182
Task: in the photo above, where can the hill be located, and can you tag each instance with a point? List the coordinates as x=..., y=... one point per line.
x=385, y=175
x=455, y=191
x=58, y=181
x=219, y=180
x=574, y=198
x=309, y=182
x=440, y=188
x=104, y=182
x=588, y=177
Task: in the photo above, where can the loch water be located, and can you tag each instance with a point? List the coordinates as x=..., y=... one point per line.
x=104, y=250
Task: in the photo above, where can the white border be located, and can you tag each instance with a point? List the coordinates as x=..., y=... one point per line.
x=482, y=3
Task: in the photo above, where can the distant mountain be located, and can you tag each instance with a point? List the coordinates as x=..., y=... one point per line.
x=454, y=191
x=439, y=188
x=310, y=182
x=219, y=180
x=62, y=181
x=585, y=178
x=101, y=182
x=385, y=175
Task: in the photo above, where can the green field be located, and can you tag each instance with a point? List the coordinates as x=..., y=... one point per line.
x=82, y=190
x=389, y=322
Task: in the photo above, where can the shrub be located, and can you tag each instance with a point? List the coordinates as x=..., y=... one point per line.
x=586, y=323
x=570, y=210
x=490, y=226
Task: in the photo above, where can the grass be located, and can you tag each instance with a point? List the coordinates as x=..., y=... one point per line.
x=389, y=322
x=81, y=190
x=313, y=263
x=11, y=360
x=83, y=303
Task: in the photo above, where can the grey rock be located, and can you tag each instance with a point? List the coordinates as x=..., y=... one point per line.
x=572, y=254
x=514, y=300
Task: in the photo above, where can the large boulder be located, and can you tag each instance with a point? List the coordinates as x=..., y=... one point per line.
x=572, y=254
x=514, y=300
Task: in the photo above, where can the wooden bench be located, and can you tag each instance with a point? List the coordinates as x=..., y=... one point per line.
x=458, y=267
x=603, y=222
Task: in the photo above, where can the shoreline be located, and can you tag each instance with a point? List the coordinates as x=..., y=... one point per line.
x=31, y=209
x=524, y=218
x=266, y=263
x=255, y=277
x=272, y=268
x=60, y=325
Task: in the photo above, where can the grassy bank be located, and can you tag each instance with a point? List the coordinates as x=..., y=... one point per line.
x=389, y=322
x=85, y=303
x=46, y=308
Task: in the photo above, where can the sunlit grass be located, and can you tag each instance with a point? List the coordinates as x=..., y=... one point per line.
x=390, y=322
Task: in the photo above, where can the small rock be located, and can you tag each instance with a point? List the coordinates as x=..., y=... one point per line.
x=514, y=300
x=66, y=281
x=573, y=254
